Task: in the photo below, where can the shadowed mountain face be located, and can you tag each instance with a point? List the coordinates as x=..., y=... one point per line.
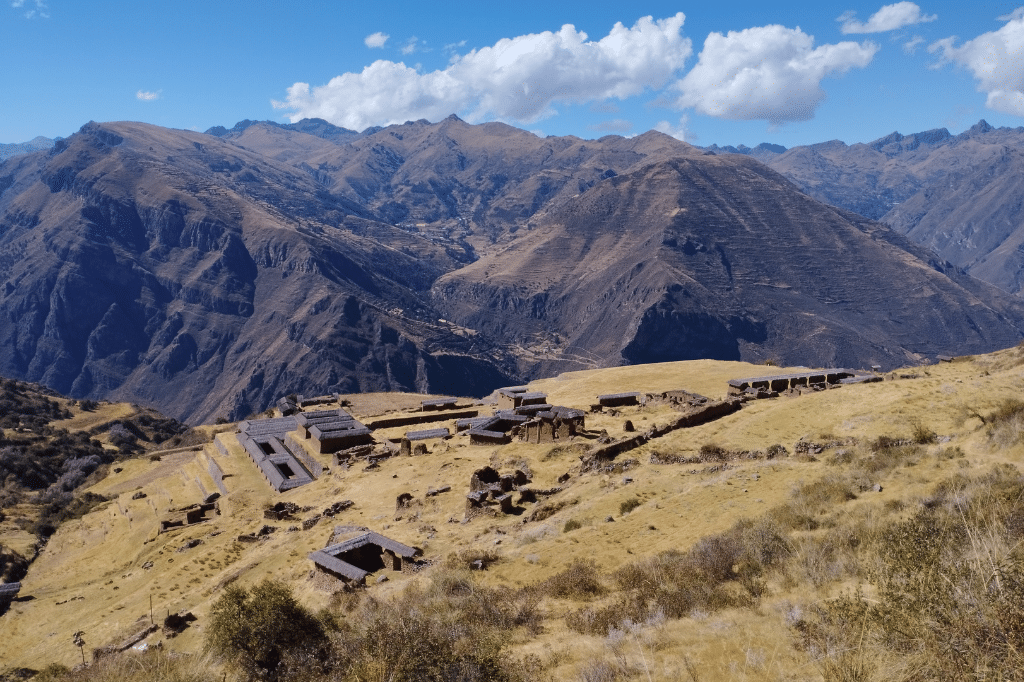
x=173, y=269
x=957, y=195
x=208, y=274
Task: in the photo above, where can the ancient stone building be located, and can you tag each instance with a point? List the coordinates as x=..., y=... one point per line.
x=357, y=557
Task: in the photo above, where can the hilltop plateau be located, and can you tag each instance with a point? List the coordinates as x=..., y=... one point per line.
x=765, y=544
x=208, y=274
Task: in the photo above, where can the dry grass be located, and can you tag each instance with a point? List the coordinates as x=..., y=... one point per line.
x=790, y=534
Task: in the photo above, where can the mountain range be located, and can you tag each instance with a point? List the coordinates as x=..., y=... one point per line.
x=207, y=274
x=958, y=195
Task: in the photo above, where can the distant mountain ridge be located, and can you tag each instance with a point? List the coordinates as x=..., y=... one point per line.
x=36, y=144
x=209, y=274
x=958, y=195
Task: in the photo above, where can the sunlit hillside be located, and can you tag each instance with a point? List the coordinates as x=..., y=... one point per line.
x=793, y=528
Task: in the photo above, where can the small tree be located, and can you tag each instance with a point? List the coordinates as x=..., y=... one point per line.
x=257, y=629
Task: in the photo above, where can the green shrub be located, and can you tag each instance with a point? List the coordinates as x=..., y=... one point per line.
x=629, y=505
x=571, y=525
x=255, y=629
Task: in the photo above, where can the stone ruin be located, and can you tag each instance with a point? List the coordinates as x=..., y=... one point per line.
x=361, y=553
x=798, y=382
x=551, y=426
x=407, y=448
x=187, y=516
x=489, y=489
x=332, y=430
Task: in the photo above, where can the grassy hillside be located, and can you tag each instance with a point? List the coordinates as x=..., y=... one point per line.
x=747, y=562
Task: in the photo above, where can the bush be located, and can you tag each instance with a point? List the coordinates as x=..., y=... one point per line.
x=571, y=525
x=580, y=579
x=710, y=452
x=629, y=505
x=255, y=629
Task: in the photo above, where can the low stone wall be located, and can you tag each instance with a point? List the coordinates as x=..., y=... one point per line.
x=216, y=474
x=421, y=418
x=696, y=417
x=314, y=467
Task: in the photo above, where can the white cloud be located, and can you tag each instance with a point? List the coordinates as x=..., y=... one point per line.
x=376, y=39
x=910, y=47
x=146, y=96
x=889, y=18
x=452, y=47
x=997, y=61
x=770, y=73
x=680, y=131
x=42, y=10
x=411, y=45
x=516, y=78
x=1015, y=14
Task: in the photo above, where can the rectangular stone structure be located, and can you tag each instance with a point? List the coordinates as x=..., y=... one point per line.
x=354, y=559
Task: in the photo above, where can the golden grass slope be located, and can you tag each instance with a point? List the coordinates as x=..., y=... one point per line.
x=98, y=574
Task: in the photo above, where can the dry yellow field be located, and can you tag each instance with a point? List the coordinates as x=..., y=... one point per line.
x=100, y=574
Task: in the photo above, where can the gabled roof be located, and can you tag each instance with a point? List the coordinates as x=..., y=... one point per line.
x=329, y=557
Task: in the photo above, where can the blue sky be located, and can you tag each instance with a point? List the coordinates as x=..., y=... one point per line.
x=727, y=72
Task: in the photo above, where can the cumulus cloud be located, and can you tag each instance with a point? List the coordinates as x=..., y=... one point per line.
x=889, y=18
x=147, y=96
x=770, y=73
x=517, y=78
x=376, y=39
x=679, y=131
x=997, y=61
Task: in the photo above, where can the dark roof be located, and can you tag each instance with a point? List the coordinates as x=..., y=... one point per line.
x=532, y=409
x=513, y=390
x=427, y=434
x=268, y=427
x=567, y=412
x=613, y=396
x=336, y=565
x=439, y=401
x=334, y=430
x=328, y=557
x=484, y=433
x=9, y=589
x=472, y=422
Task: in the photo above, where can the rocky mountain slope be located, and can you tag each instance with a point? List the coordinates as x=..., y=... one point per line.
x=958, y=195
x=720, y=257
x=209, y=274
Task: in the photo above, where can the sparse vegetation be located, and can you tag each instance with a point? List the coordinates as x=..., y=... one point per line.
x=629, y=505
